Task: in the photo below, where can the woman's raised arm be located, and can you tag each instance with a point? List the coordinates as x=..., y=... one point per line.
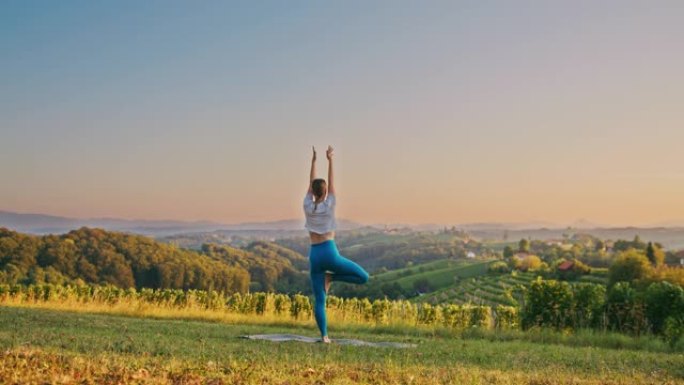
x=312, y=175
x=331, y=185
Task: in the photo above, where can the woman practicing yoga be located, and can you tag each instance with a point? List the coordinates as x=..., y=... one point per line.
x=325, y=261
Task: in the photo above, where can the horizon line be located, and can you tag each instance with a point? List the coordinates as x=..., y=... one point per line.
x=539, y=224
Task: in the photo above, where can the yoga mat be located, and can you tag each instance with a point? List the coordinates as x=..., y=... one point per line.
x=341, y=341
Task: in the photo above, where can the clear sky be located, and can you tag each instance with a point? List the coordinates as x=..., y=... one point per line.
x=442, y=112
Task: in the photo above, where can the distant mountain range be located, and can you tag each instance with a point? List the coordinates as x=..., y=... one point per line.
x=50, y=224
x=671, y=235
x=474, y=226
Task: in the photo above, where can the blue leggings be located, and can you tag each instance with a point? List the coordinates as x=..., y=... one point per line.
x=325, y=257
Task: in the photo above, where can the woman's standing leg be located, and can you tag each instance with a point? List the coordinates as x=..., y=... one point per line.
x=319, y=256
x=325, y=257
x=318, y=286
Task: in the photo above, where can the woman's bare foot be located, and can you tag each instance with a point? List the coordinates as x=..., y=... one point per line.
x=326, y=340
x=328, y=280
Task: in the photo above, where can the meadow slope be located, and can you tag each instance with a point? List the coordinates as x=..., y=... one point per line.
x=45, y=345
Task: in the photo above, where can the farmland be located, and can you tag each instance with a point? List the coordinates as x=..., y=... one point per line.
x=440, y=274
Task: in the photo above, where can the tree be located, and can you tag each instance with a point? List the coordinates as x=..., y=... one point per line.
x=507, y=252
x=655, y=254
x=622, y=245
x=637, y=243
x=589, y=303
x=531, y=262
x=629, y=266
x=599, y=245
x=96, y=256
x=422, y=285
x=498, y=267
x=524, y=245
x=673, y=258
x=650, y=252
x=663, y=300
x=625, y=309
x=547, y=303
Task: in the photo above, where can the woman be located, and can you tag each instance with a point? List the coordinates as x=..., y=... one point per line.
x=325, y=261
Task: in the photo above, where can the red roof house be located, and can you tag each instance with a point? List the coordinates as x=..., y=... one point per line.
x=567, y=265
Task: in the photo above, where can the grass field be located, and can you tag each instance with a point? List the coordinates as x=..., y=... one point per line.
x=484, y=289
x=439, y=274
x=406, y=271
x=52, y=346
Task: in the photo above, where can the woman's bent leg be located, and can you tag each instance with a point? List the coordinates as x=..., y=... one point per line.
x=346, y=270
x=318, y=286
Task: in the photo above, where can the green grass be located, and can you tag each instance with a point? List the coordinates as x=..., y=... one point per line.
x=593, y=279
x=500, y=245
x=204, y=349
x=428, y=266
x=441, y=278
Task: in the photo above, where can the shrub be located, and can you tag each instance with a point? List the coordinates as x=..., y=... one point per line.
x=365, y=309
x=427, y=314
x=663, y=300
x=672, y=274
x=455, y=316
x=498, y=267
x=526, y=263
x=380, y=310
x=300, y=307
x=589, y=303
x=480, y=316
x=506, y=317
x=629, y=266
x=261, y=303
x=548, y=303
x=423, y=285
x=281, y=303
x=673, y=330
x=625, y=310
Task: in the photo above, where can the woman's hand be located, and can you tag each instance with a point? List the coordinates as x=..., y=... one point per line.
x=329, y=153
x=313, y=159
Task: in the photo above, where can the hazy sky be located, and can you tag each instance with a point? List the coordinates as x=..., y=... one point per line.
x=444, y=112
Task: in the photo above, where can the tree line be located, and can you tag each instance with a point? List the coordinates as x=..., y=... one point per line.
x=96, y=256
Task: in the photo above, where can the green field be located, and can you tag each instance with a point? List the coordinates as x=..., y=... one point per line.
x=467, y=281
x=491, y=289
x=41, y=345
x=439, y=274
x=459, y=282
x=428, y=266
x=484, y=289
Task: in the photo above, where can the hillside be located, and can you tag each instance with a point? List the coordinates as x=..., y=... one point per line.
x=96, y=256
x=379, y=251
x=416, y=280
x=485, y=289
x=435, y=275
x=271, y=266
x=108, y=348
x=491, y=289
